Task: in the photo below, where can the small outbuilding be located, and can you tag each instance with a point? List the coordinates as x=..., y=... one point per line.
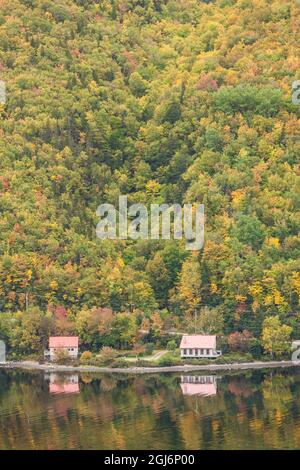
x=68, y=344
x=199, y=346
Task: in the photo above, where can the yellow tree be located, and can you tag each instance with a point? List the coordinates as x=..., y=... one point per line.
x=275, y=336
x=189, y=286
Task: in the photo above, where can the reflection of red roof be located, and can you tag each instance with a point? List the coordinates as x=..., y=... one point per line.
x=198, y=341
x=198, y=389
x=64, y=388
x=63, y=342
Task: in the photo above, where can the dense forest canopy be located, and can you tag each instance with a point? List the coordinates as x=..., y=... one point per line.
x=165, y=101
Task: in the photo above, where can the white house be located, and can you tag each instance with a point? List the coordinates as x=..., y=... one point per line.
x=68, y=344
x=199, y=346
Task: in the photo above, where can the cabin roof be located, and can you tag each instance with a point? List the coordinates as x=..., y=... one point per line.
x=63, y=342
x=198, y=341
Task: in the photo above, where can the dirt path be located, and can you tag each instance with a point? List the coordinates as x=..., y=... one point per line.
x=158, y=355
x=154, y=357
x=30, y=365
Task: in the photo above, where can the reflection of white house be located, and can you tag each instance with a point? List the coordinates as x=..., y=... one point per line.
x=63, y=384
x=204, y=385
x=199, y=346
x=68, y=344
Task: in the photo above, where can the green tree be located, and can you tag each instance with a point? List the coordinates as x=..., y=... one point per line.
x=124, y=330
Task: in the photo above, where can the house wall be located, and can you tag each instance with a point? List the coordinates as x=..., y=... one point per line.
x=72, y=352
x=198, y=352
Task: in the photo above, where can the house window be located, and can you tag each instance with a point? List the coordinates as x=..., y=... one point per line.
x=191, y=352
x=184, y=351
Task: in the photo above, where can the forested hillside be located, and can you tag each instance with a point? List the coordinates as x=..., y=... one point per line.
x=165, y=101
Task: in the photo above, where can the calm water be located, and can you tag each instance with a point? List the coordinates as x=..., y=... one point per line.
x=246, y=411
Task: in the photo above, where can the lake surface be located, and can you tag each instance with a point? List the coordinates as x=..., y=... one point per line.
x=253, y=410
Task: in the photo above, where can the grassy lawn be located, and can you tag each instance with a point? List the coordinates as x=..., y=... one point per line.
x=154, y=356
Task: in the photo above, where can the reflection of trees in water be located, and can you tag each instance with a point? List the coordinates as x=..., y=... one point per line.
x=279, y=399
x=86, y=378
x=108, y=384
x=149, y=412
x=277, y=390
x=241, y=387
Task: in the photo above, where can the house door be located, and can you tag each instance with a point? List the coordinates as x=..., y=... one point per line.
x=2, y=352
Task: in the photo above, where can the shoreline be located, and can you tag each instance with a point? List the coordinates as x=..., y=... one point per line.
x=31, y=365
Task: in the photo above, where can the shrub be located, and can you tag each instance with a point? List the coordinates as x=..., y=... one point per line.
x=62, y=357
x=143, y=363
x=121, y=363
x=234, y=358
x=198, y=362
x=168, y=360
x=107, y=355
x=86, y=357
x=149, y=348
x=171, y=345
x=96, y=361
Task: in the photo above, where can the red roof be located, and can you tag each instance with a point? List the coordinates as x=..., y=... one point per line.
x=198, y=341
x=63, y=342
